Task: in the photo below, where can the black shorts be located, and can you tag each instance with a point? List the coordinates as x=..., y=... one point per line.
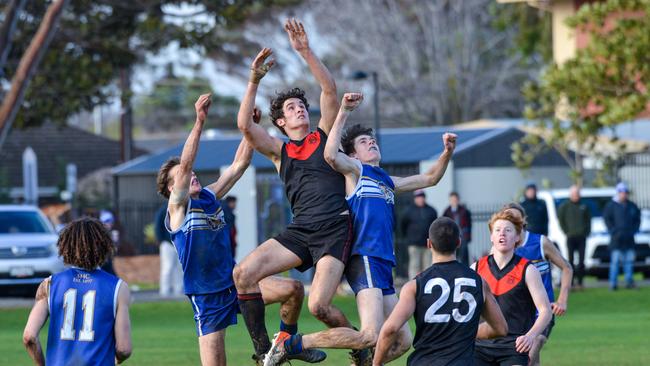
x=310, y=242
x=547, y=331
x=493, y=356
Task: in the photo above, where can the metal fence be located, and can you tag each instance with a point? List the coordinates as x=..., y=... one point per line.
x=133, y=218
x=636, y=173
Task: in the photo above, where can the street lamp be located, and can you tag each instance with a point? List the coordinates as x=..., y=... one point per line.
x=362, y=75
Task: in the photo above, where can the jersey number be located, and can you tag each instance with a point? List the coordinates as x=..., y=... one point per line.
x=69, y=307
x=431, y=317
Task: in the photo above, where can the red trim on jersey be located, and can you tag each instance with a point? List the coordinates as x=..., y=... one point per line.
x=507, y=282
x=304, y=151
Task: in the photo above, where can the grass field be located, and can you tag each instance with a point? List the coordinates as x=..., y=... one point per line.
x=601, y=328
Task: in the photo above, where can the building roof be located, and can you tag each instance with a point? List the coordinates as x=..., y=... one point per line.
x=56, y=146
x=398, y=146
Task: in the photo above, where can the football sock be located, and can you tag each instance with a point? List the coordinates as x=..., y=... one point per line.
x=293, y=345
x=252, y=309
x=289, y=328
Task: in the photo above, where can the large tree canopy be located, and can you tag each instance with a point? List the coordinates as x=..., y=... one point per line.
x=605, y=84
x=98, y=38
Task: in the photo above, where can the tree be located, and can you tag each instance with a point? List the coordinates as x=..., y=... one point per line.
x=439, y=62
x=98, y=39
x=604, y=85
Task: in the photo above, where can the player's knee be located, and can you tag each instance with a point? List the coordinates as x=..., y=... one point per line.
x=319, y=311
x=369, y=337
x=242, y=276
x=297, y=290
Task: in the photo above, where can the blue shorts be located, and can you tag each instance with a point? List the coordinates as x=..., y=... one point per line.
x=214, y=312
x=370, y=272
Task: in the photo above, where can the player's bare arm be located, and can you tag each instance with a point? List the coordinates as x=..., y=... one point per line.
x=349, y=167
x=495, y=324
x=403, y=311
x=257, y=136
x=554, y=256
x=540, y=298
x=35, y=322
x=239, y=164
x=434, y=174
x=329, y=103
x=179, y=195
x=123, y=346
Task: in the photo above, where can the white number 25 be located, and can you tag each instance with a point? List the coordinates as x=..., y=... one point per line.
x=431, y=317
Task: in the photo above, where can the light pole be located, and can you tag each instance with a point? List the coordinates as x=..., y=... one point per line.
x=362, y=75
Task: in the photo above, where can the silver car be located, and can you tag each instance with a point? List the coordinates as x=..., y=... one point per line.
x=28, y=251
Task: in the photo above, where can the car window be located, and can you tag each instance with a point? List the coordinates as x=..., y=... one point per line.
x=12, y=222
x=595, y=204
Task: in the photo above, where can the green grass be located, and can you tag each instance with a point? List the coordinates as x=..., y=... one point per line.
x=600, y=328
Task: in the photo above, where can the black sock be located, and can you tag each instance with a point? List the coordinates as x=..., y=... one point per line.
x=252, y=309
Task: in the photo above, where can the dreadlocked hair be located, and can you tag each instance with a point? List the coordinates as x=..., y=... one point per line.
x=354, y=131
x=278, y=102
x=162, y=181
x=85, y=243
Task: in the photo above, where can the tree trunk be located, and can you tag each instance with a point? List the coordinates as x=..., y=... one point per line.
x=29, y=63
x=126, y=130
x=11, y=11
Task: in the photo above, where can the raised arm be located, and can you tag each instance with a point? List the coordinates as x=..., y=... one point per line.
x=329, y=103
x=242, y=160
x=339, y=161
x=554, y=256
x=540, y=298
x=403, y=311
x=434, y=174
x=495, y=324
x=256, y=135
x=123, y=347
x=37, y=318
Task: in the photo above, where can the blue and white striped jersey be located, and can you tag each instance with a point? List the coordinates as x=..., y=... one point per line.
x=533, y=250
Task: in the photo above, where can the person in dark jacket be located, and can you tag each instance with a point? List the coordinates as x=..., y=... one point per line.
x=623, y=219
x=171, y=273
x=415, y=225
x=575, y=221
x=463, y=218
x=535, y=211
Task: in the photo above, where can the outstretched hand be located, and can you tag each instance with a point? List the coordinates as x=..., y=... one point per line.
x=449, y=140
x=351, y=101
x=297, y=35
x=260, y=67
x=202, y=105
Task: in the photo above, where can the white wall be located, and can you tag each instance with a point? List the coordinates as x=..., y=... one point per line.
x=438, y=195
x=246, y=212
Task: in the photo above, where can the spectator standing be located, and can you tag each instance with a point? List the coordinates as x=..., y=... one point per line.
x=623, y=219
x=575, y=221
x=535, y=211
x=108, y=220
x=415, y=225
x=229, y=205
x=171, y=273
x=463, y=218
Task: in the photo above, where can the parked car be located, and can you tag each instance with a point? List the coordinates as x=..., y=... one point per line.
x=597, y=256
x=28, y=251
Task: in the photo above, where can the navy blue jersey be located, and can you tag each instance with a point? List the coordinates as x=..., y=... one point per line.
x=203, y=246
x=533, y=250
x=372, y=205
x=82, y=307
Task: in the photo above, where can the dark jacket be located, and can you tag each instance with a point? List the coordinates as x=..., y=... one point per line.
x=159, y=226
x=463, y=218
x=537, y=216
x=575, y=219
x=415, y=224
x=623, y=221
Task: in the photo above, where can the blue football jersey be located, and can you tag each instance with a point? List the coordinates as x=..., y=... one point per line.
x=533, y=250
x=82, y=307
x=203, y=246
x=372, y=205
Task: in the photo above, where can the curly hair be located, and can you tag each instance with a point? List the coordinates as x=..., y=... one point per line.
x=518, y=207
x=163, y=179
x=506, y=215
x=85, y=243
x=351, y=133
x=278, y=102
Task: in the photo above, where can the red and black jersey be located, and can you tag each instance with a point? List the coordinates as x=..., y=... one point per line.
x=509, y=288
x=315, y=191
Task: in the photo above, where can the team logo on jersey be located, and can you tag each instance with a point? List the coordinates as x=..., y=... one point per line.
x=216, y=220
x=389, y=196
x=312, y=139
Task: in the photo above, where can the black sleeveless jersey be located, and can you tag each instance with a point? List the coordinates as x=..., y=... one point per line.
x=449, y=303
x=315, y=191
x=509, y=288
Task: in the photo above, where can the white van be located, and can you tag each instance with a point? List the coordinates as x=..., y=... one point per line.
x=597, y=248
